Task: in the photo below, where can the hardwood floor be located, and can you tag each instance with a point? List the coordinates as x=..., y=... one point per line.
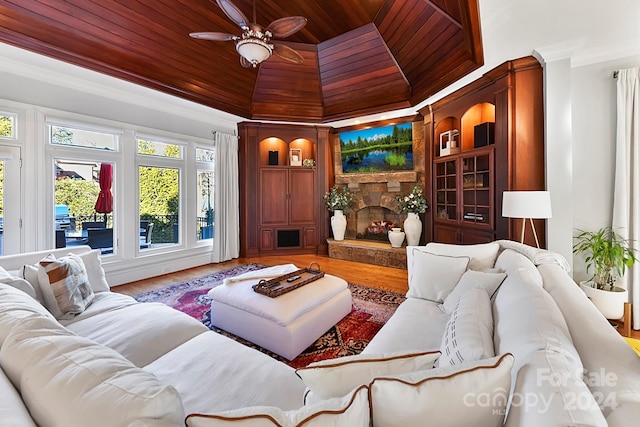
x=386, y=278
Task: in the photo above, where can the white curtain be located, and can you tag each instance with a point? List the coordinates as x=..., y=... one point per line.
x=226, y=201
x=626, y=196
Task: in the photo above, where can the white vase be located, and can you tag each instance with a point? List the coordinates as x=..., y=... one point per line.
x=338, y=225
x=609, y=303
x=396, y=237
x=412, y=229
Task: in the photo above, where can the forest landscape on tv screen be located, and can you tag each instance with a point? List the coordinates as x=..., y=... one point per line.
x=380, y=149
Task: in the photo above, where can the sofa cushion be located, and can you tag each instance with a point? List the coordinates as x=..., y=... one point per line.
x=527, y=319
x=547, y=389
x=611, y=365
x=337, y=377
x=470, y=394
x=432, y=277
x=468, y=335
x=17, y=282
x=141, y=332
x=489, y=281
x=15, y=305
x=64, y=285
x=516, y=264
x=530, y=325
x=69, y=380
x=230, y=376
x=351, y=410
x=416, y=325
x=482, y=256
x=12, y=409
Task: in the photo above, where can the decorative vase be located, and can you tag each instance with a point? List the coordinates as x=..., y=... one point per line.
x=412, y=229
x=609, y=303
x=396, y=237
x=338, y=225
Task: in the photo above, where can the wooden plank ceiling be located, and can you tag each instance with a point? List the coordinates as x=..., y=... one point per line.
x=360, y=56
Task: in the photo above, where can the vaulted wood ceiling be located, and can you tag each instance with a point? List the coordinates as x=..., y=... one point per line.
x=360, y=56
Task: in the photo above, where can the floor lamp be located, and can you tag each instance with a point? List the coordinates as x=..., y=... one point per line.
x=526, y=204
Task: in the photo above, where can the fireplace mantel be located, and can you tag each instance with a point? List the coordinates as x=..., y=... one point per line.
x=375, y=177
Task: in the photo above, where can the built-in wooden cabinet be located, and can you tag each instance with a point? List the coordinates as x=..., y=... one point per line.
x=463, y=188
x=486, y=138
x=281, y=204
x=287, y=215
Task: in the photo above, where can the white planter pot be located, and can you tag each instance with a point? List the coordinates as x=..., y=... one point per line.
x=412, y=229
x=609, y=303
x=338, y=225
x=396, y=237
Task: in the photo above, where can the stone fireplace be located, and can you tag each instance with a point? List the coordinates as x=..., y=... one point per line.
x=375, y=207
x=373, y=212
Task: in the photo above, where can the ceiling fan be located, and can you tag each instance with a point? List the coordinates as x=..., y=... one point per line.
x=253, y=44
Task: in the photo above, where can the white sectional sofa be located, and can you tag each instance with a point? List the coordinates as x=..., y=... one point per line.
x=502, y=321
x=154, y=364
x=571, y=368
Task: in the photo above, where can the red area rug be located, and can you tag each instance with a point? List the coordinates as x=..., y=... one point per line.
x=371, y=309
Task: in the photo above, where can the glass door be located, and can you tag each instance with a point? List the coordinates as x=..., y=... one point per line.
x=10, y=223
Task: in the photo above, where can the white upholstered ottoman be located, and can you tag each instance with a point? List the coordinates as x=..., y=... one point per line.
x=285, y=325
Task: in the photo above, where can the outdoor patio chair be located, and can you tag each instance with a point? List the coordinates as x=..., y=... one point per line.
x=100, y=238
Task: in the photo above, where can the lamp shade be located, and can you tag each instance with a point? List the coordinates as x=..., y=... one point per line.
x=526, y=204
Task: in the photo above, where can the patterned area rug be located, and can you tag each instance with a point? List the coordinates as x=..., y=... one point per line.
x=371, y=309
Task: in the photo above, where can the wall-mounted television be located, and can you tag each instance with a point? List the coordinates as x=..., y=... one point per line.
x=378, y=149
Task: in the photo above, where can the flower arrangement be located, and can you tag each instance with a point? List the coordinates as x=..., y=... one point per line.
x=338, y=198
x=413, y=202
x=309, y=163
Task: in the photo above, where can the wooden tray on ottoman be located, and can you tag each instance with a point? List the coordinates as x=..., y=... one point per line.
x=283, y=284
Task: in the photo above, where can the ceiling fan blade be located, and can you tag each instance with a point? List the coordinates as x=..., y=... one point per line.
x=213, y=36
x=284, y=27
x=288, y=54
x=233, y=13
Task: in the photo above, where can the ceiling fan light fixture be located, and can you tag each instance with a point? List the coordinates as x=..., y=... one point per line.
x=254, y=50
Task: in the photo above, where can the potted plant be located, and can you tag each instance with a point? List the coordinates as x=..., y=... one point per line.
x=338, y=199
x=608, y=255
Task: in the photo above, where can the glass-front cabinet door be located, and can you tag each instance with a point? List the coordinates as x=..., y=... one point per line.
x=477, y=188
x=446, y=188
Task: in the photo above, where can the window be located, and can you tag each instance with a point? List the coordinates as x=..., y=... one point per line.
x=76, y=137
x=205, y=191
x=7, y=125
x=83, y=211
x=83, y=185
x=156, y=148
x=159, y=190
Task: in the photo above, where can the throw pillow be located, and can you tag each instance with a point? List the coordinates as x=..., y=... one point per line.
x=64, y=285
x=474, y=394
x=17, y=282
x=30, y=274
x=337, y=377
x=468, y=335
x=488, y=281
x=68, y=380
x=482, y=255
x=95, y=272
x=432, y=277
x=351, y=410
